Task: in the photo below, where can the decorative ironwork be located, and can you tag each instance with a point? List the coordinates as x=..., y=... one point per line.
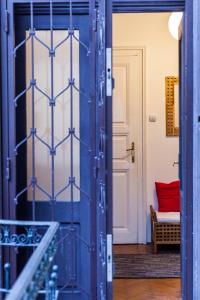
x=30, y=237
x=52, y=98
x=40, y=275
x=36, y=271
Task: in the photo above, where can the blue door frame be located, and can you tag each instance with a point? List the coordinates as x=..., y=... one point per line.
x=189, y=132
x=190, y=119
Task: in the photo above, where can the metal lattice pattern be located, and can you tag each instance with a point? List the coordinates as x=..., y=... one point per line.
x=52, y=99
x=30, y=237
x=36, y=276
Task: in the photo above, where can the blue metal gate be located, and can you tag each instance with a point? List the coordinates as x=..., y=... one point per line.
x=55, y=84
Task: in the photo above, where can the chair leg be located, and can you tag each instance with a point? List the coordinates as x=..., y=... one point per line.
x=155, y=248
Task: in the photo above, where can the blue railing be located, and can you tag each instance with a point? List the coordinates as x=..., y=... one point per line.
x=38, y=275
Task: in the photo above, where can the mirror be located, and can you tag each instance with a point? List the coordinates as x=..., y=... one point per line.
x=172, y=105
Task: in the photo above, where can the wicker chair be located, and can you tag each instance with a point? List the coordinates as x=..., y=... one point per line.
x=163, y=233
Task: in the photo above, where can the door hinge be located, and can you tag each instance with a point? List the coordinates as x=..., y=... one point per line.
x=6, y=25
x=109, y=79
x=95, y=19
x=109, y=258
x=8, y=169
x=113, y=83
x=96, y=166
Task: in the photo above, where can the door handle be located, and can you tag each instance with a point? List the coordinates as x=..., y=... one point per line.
x=175, y=163
x=132, y=149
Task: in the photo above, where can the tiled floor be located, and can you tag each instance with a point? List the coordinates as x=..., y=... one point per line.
x=144, y=289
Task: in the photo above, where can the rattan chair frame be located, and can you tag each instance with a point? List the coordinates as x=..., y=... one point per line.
x=164, y=233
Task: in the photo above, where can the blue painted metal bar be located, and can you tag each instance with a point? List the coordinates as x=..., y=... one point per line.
x=72, y=178
x=32, y=32
x=34, y=273
x=20, y=95
x=183, y=156
x=192, y=145
x=12, y=111
x=147, y=6
x=108, y=189
x=45, y=1
x=100, y=151
x=21, y=44
x=118, y=5
x=22, y=142
x=11, y=128
x=7, y=276
x=52, y=104
x=71, y=81
x=4, y=107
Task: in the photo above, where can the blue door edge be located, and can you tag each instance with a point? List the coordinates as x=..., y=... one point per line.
x=1, y=183
x=194, y=192
x=5, y=210
x=109, y=181
x=190, y=256
x=137, y=6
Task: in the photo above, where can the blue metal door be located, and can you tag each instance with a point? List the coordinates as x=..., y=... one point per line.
x=55, y=152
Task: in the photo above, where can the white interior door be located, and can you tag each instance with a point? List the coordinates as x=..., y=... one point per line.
x=127, y=132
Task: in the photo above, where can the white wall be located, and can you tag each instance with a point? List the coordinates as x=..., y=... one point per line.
x=151, y=31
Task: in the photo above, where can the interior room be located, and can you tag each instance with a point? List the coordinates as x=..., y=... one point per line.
x=146, y=155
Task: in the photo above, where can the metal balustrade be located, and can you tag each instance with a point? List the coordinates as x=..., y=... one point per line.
x=38, y=275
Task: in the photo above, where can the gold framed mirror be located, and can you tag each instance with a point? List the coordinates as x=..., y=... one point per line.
x=172, y=105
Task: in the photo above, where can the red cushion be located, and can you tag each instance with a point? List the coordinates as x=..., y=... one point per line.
x=168, y=196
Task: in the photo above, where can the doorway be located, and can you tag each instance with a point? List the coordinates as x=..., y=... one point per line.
x=153, y=60
x=154, y=155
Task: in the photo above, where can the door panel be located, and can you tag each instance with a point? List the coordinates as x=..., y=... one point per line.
x=56, y=132
x=51, y=137
x=53, y=152
x=127, y=129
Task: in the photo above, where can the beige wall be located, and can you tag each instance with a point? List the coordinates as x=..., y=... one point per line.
x=151, y=32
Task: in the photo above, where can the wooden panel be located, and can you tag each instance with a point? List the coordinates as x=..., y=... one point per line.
x=120, y=194
x=122, y=165
x=119, y=93
x=120, y=129
x=119, y=147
